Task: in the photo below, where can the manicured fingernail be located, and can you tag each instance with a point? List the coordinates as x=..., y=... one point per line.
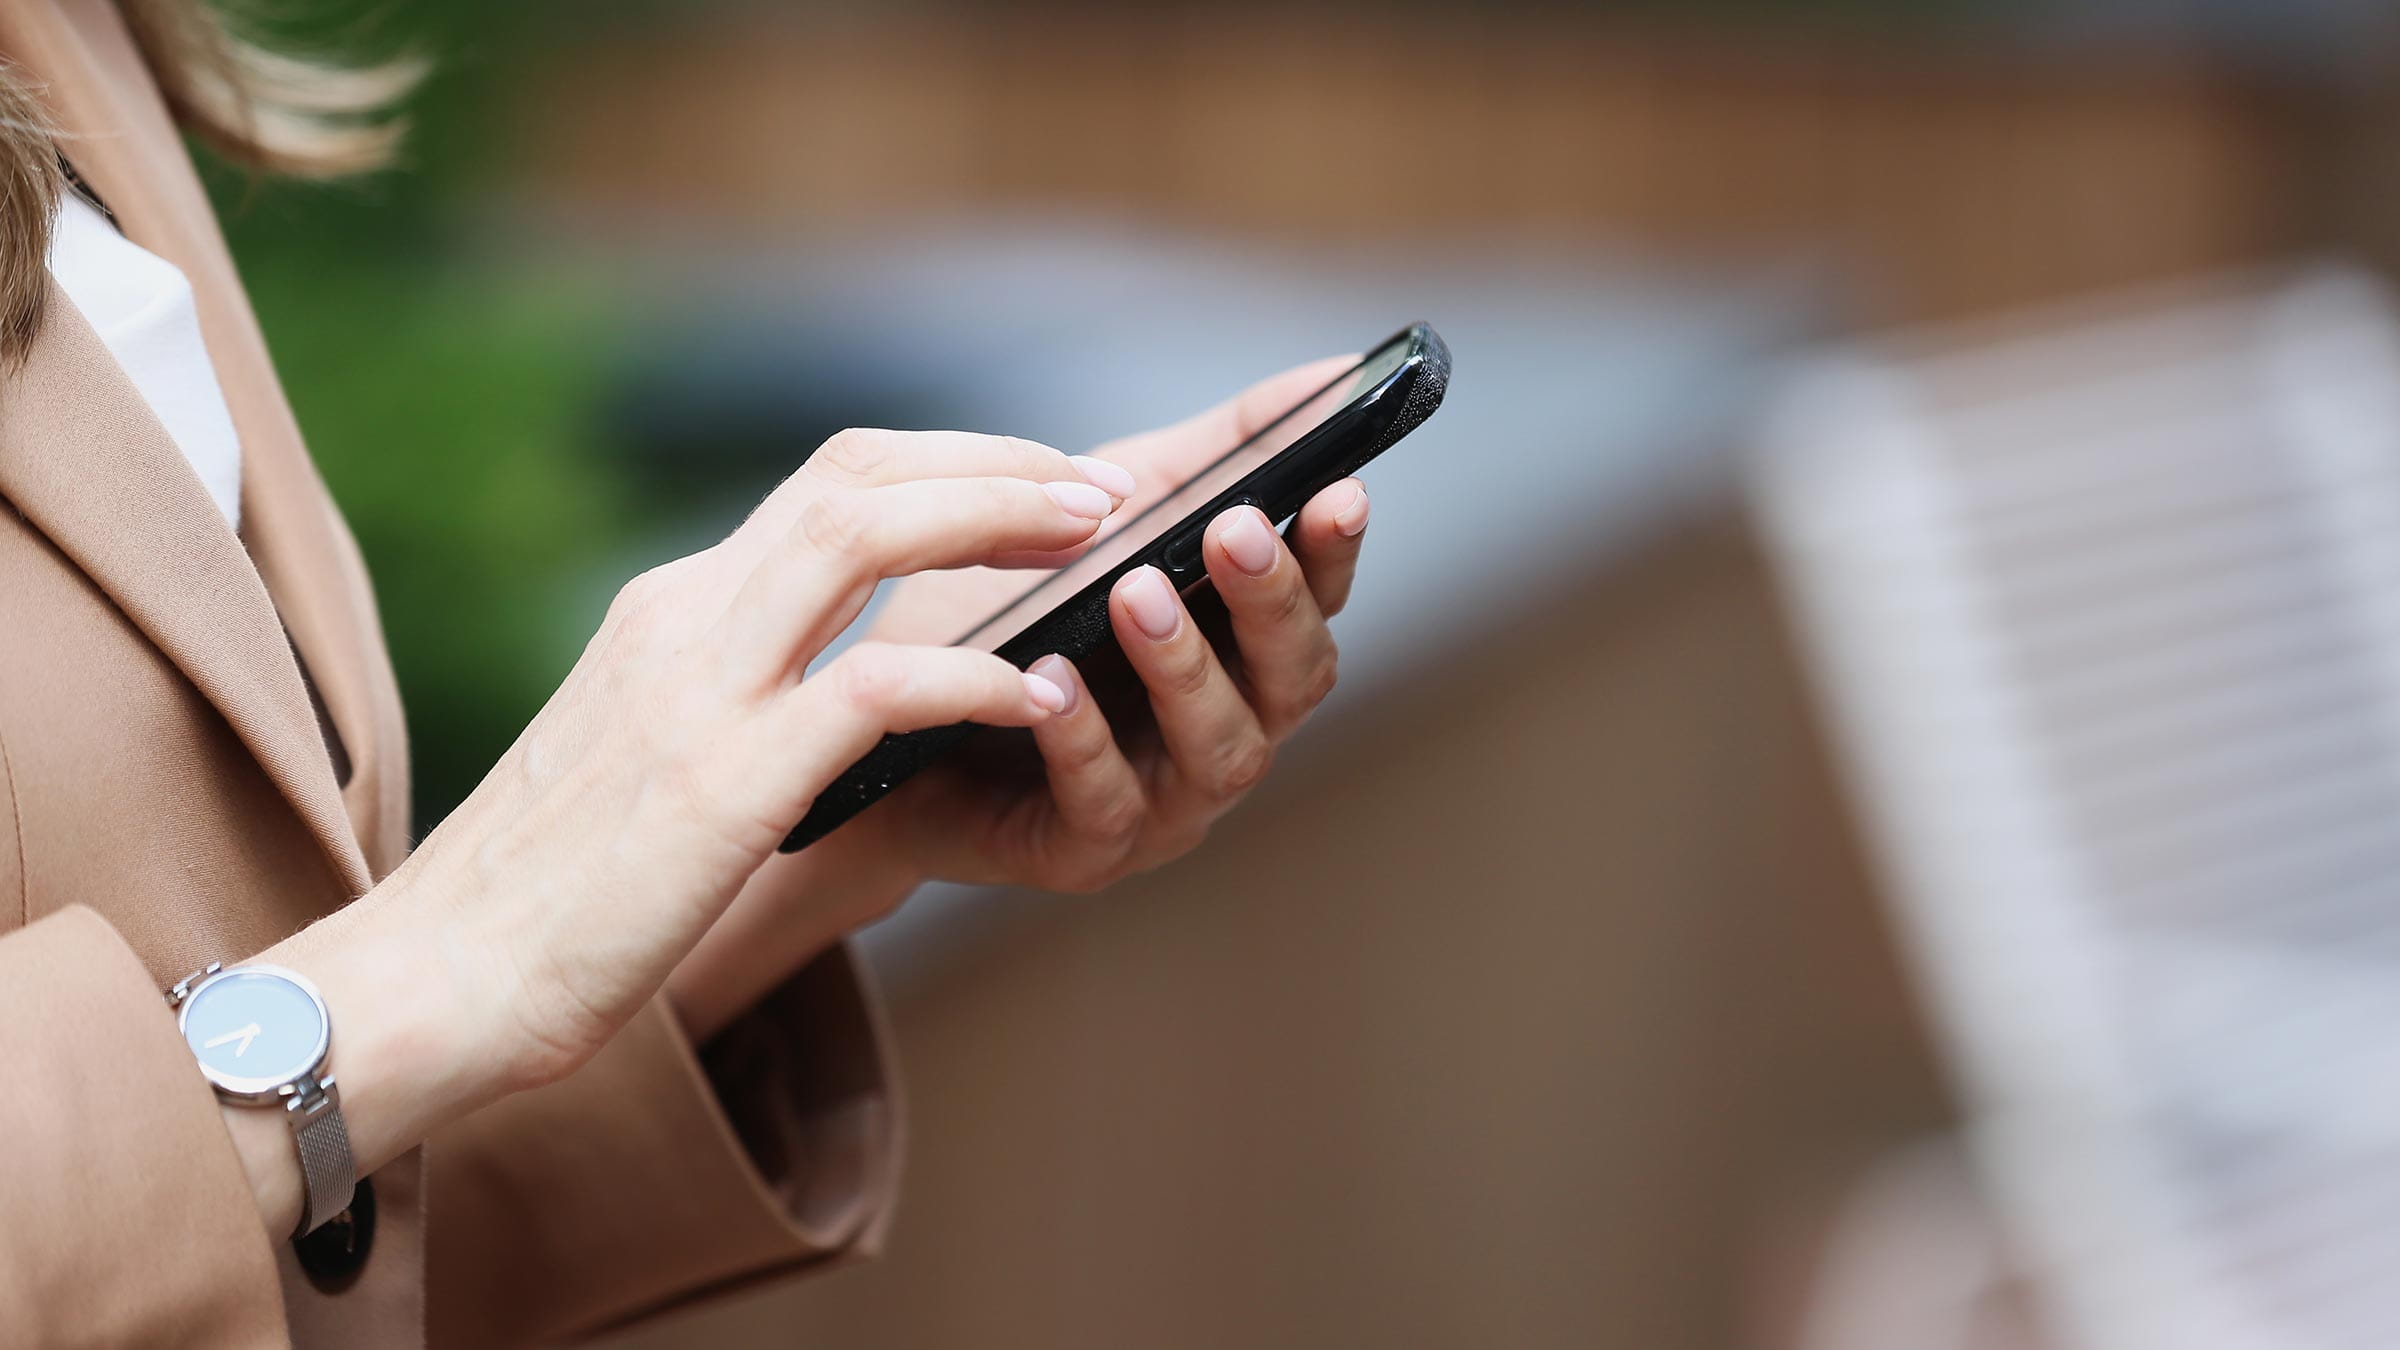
x=1107, y=477
x=1049, y=697
x=1351, y=520
x=1056, y=671
x=1249, y=541
x=1081, y=499
x=1152, y=603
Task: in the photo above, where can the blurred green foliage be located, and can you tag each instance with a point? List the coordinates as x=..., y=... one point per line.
x=447, y=391
x=447, y=412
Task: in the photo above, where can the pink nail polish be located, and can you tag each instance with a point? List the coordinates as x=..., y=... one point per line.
x=1351, y=520
x=1249, y=541
x=1055, y=669
x=1081, y=499
x=1152, y=603
x=1047, y=696
x=1107, y=477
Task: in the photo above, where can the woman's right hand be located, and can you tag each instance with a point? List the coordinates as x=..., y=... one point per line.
x=551, y=905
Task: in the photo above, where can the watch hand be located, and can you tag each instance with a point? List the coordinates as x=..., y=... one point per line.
x=243, y=1034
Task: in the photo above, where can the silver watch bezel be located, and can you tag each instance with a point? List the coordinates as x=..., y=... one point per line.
x=249, y=1089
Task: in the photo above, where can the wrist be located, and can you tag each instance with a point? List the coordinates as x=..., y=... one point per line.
x=794, y=907
x=369, y=1040
x=402, y=1050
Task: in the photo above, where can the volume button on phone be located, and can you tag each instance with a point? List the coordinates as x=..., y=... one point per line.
x=1181, y=556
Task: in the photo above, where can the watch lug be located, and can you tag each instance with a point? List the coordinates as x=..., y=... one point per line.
x=183, y=987
x=309, y=1097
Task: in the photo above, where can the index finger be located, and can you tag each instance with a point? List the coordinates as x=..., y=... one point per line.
x=868, y=458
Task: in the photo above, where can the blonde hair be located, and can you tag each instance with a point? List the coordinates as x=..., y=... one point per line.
x=264, y=111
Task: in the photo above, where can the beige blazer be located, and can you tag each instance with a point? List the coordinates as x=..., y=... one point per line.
x=167, y=798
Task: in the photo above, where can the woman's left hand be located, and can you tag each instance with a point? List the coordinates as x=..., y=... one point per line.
x=1110, y=800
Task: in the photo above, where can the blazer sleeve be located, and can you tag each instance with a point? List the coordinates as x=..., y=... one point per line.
x=129, y=1219
x=661, y=1172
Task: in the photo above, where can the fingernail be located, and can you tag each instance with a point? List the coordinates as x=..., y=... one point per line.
x=1151, y=601
x=1107, y=477
x=1049, y=697
x=1249, y=541
x=1055, y=671
x=1081, y=499
x=1351, y=520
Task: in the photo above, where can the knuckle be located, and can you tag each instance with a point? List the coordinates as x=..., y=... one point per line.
x=1289, y=601
x=645, y=586
x=1314, y=686
x=1086, y=755
x=644, y=593
x=834, y=524
x=1050, y=465
x=1116, y=820
x=1186, y=672
x=850, y=455
x=870, y=679
x=1241, y=766
x=1324, y=678
x=1007, y=499
x=1031, y=459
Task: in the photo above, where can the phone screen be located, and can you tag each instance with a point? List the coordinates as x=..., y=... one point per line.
x=1164, y=515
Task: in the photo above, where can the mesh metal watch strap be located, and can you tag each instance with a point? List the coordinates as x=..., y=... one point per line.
x=325, y=1162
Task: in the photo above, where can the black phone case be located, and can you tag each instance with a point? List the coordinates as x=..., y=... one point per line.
x=1080, y=627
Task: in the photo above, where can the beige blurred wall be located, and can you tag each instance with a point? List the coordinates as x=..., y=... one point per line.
x=1937, y=177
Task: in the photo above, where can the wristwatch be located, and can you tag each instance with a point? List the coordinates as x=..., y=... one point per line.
x=263, y=1038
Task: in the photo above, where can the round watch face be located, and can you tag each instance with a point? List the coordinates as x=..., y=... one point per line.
x=255, y=1029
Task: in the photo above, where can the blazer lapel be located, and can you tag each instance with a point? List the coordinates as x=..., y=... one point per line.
x=107, y=484
x=85, y=460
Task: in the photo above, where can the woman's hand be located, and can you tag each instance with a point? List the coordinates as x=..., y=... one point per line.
x=553, y=903
x=1115, y=794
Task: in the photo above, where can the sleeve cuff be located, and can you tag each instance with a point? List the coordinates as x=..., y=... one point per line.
x=133, y=1221
x=657, y=1174
x=804, y=1081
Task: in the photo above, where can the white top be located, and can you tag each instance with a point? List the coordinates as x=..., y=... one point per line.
x=143, y=308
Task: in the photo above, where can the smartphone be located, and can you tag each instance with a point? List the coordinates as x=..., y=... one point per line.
x=1316, y=443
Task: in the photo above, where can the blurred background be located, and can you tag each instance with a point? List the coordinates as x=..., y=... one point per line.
x=1614, y=964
